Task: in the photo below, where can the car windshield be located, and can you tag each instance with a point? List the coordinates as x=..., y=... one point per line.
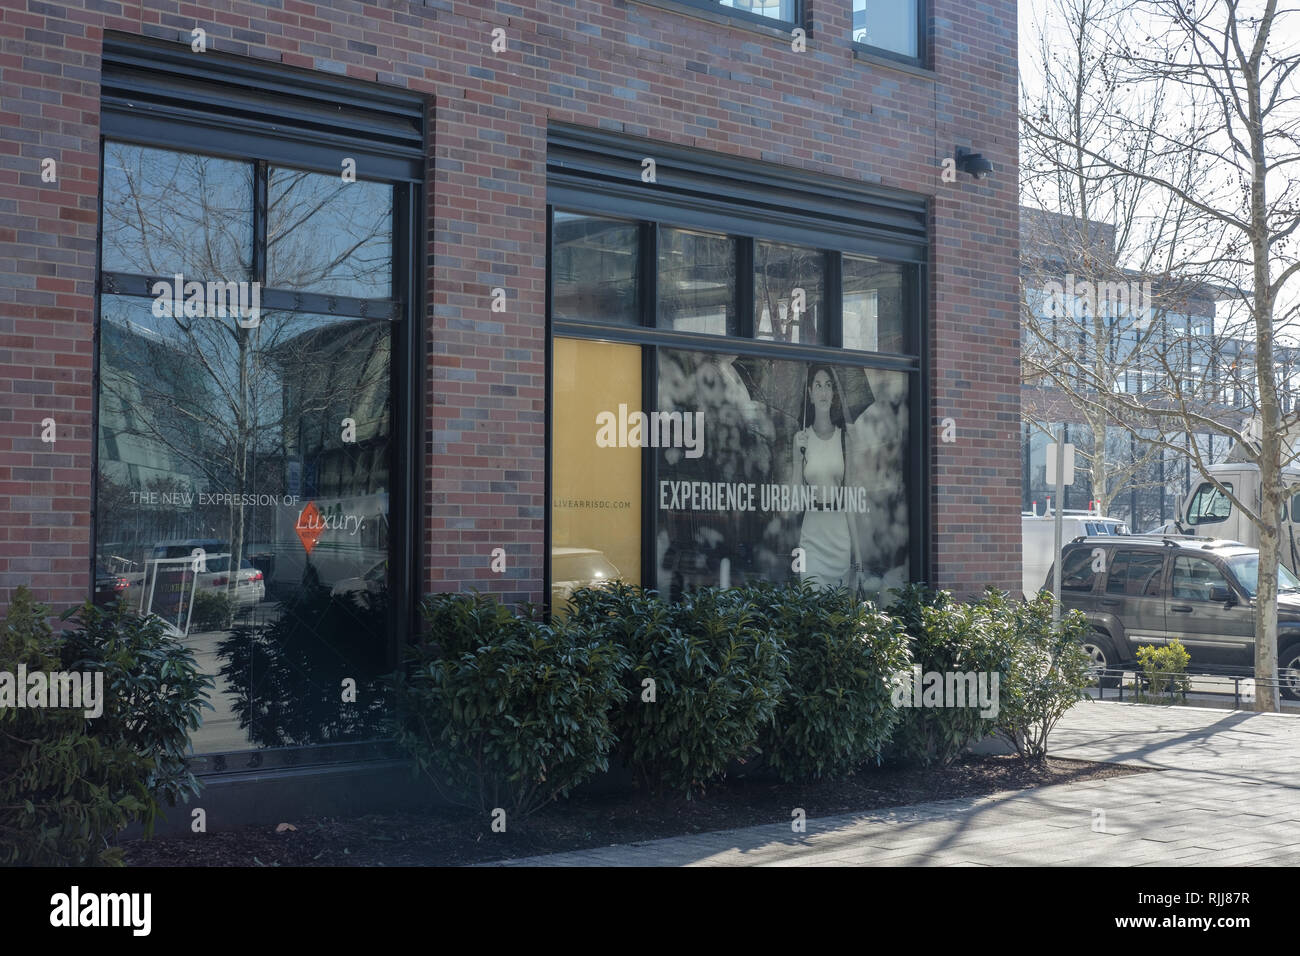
x=1245, y=568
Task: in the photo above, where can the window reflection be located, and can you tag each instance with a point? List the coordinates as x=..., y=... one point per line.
x=264, y=450
x=595, y=269
x=697, y=282
x=775, y=9
x=874, y=306
x=887, y=24
x=789, y=293
x=328, y=236
x=166, y=212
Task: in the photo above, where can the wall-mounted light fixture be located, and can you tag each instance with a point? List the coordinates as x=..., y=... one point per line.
x=974, y=163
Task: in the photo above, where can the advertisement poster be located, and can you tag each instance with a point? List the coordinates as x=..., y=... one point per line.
x=596, y=494
x=799, y=473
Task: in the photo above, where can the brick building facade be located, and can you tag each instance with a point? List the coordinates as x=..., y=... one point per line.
x=517, y=100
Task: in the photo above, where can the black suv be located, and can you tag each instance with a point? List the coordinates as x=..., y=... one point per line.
x=1142, y=590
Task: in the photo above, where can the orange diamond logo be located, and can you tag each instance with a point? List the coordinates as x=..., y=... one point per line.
x=309, y=526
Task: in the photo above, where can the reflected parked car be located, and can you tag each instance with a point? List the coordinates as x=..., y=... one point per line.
x=573, y=568
x=250, y=587
x=365, y=588
x=109, y=587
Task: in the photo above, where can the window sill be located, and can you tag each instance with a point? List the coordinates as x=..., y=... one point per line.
x=865, y=54
x=721, y=17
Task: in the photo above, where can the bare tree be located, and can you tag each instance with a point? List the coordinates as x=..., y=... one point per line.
x=1104, y=237
x=1199, y=125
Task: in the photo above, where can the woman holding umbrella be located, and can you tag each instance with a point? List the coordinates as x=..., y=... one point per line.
x=821, y=460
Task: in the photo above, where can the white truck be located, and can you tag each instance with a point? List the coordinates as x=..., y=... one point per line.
x=1208, y=511
x=1037, y=534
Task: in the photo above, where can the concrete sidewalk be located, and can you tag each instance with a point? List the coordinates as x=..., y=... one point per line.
x=1227, y=793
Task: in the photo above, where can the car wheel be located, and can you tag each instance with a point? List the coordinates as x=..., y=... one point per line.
x=1097, y=647
x=1288, y=672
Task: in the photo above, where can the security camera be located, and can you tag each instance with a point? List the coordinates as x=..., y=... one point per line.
x=973, y=163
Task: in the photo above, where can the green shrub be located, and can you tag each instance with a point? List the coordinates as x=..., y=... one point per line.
x=837, y=714
x=64, y=792
x=154, y=692
x=1165, y=668
x=213, y=611
x=502, y=711
x=706, y=679
x=947, y=636
x=1049, y=670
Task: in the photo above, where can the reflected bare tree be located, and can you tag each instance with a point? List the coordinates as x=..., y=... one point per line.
x=222, y=398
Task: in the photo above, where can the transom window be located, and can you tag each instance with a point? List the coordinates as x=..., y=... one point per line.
x=892, y=28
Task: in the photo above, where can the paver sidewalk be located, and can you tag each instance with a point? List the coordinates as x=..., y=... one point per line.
x=1227, y=793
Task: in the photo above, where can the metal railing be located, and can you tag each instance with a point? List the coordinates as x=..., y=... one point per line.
x=1179, y=684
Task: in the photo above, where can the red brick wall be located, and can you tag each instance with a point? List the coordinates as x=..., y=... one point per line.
x=618, y=64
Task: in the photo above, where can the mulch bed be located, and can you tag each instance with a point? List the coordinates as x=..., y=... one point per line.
x=450, y=837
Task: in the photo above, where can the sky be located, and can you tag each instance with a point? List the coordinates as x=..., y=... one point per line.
x=1032, y=13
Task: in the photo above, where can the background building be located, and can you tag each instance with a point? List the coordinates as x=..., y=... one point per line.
x=1187, y=345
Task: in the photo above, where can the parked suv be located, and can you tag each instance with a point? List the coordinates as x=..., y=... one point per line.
x=1148, y=590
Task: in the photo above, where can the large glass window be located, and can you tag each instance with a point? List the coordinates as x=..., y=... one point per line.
x=246, y=439
x=329, y=236
x=876, y=310
x=596, y=472
x=166, y=212
x=678, y=465
x=791, y=469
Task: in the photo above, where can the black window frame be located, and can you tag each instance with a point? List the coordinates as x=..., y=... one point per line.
x=1112, y=561
x=1229, y=579
x=716, y=6
x=597, y=173
x=1086, y=558
x=922, y=58
x=161, y=95
x=1210, y=488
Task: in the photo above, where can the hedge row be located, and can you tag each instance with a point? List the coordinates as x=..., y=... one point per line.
x=503, y=710
x=69, y=783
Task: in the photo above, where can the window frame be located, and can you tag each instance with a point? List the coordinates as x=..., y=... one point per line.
x=1214, y=491
x=922, y=58
x=716, y=6
x=734, y=204
x=141, y=106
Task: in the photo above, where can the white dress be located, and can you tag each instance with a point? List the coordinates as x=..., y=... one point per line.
x=824, y=536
